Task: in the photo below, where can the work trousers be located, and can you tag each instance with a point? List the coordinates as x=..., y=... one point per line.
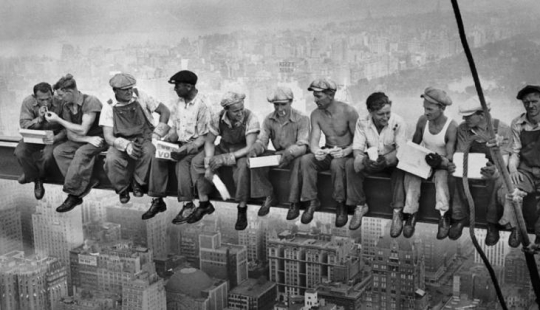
x=159, y=177
x=122, y=169
x=496, y=193
x=355, y=185
x=310, y=166
x=412, y=191
x=35, y=168
x=76, y=162
x=240, y=172
x=261, y=186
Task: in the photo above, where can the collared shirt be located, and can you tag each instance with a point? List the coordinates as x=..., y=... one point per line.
x=392, y=136
x=519, y=124
x=148, y=103
x=30, y=111
x=294, y=131
x=252, y=124
x=191, y=119
x=464, y=133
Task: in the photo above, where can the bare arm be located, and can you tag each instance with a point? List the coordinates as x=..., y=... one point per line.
x=108, y=135
x=353, y=118
x=417, y=136
x=451, y=135
x=82, y=129
x=250, y=140
x=209, y=146
x=315, y=133
x=164, y=113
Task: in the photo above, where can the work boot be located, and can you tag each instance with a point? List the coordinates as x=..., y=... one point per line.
x=444, y=226
x=356, y=220
x=157, y=206
x=205, y=207
x=294, y=211
x=492, y=236
x=307, y=216
x=270, y=201
x=184, y=214
x=457, y=229
x=137, y=189
x=71, y=202
x=241, y=218
x=39, y=190
x=397, y=223
x=410, y=224
x=341, y=215
x=515, y=238
x=124, y=196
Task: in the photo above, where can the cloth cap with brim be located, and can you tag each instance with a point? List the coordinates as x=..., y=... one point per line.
x=184, y=76
x=527, y=90
x=471, y=106
x=437, y=96
x=122, y=81
x=280, y=94
x=322, y=85
x=231, y=98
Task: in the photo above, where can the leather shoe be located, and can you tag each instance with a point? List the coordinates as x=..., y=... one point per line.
x=397, y=223
x=268, y=202
x=137, y=189
x=410, y=224
x=307, y=216
x=241, y=219
x=492, y=236
x=70, y=203
x=457, y=229
x=124, y=196
x=356, y=220
x=158, y=205
x=444, y=226
x=184, y=214
x=515, y=238
x=205, y=207
x=294, y=211
x=39, y=190
x=341, y=215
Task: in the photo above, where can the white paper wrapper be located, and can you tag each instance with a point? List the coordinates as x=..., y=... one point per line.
x=220, y=186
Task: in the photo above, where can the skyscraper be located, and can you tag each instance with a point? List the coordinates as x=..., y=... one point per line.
x=145, y=292
x=372, y=230
x=10, y=230
x=253, y=294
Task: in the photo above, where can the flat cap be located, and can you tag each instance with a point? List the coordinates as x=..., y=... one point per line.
x=184, y=76
x=471, y=106
x=280, y=94
x=122, y=81
x=435, y=95
x=527, y=90
x=231, y=98
x=322, y=84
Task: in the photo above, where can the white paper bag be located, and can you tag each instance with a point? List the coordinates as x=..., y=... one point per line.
x=264, y=161
x=476, y=162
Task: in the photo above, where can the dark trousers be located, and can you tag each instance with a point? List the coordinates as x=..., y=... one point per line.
x=240, y=172
x=310, y=166
x=122, y=169
x=35, y=167
x=355, y=185
x=159, y=177
x=496, y=195
x=261, y=186
x=76, y=162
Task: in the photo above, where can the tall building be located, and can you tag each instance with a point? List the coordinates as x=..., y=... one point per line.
x=301, y=261
x=10, y=230
x=105, y=268
x=145, y=292
x=223, y=260
x=253, y=294
x=398, y=276
x=496, y=254
x=372, y=231
x=150, y=233
x=438, y=254
x=253, y=238
x=31, y=283
x=185, y=239
x=191, y=288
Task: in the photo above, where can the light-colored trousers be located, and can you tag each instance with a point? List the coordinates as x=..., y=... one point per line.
x=413, y=184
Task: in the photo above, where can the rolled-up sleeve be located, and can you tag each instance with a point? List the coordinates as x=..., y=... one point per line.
x=401, y=133
x=214, y=125
x=106, y=116
x=253, y=125
x=516, y=139
x=360, y=139
x=204, y=118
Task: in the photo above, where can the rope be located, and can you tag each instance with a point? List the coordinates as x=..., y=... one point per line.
x=472, y=224
x=497, y=158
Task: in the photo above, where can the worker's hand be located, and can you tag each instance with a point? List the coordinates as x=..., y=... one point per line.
x=171, y=137
x=134, y=150
x=51, y=117
x=41, y=112
x=320, y=155
x=337, y=152
x=256, y=150
x=434, y=160
x=516, y=177
x=489, y=171
x=209, y=175
x=156, y=137
x=217, y=161
x=451, y=167
x=96, y=141
x=286, y=158
x=179, y=153
x=359, y=163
